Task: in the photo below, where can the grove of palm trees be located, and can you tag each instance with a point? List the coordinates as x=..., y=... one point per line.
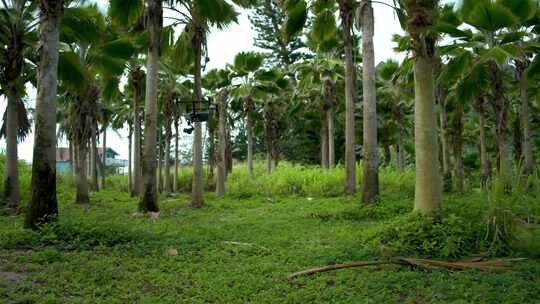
x=303, y=170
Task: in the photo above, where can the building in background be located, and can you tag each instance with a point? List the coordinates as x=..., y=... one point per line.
x=113, y=164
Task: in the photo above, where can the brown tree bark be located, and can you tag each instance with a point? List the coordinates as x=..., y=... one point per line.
x=149, y=197
x=370, y=163
x=222, y=146
x=43, y=205
x=346, y=11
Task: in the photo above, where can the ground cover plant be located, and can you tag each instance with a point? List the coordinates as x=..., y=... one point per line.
x=242, y=248
x=316, y=165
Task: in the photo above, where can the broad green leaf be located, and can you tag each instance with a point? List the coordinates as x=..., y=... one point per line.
x=296, y=18
x=120, y=48
x=491, y=17
x=522, y=9
x=71, y=70
x=126, y=12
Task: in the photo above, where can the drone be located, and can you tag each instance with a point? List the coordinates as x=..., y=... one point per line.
x=197, y=111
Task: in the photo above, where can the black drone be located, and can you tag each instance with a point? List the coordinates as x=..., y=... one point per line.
x=196, y=111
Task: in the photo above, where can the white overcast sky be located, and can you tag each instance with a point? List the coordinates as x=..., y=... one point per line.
x=222, y=47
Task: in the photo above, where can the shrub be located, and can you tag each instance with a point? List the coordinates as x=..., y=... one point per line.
x=70, y=235
x=419, y=235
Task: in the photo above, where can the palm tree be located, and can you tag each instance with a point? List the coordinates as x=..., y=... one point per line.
x=148, y=201
x=245, y=66
x=419, y=17
x=318, y=77
x=219, y=82
x=506, y=15
x=89, y=71
x=136, y=78
x=324, y=27
x=346, y=12
x=370, y=180
x=17, y=35
x=43, y=205
x=199, y=17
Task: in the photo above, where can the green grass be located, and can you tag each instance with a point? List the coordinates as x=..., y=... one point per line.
x=240, y=249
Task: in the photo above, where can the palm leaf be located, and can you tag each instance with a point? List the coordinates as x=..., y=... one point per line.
x=126, y=12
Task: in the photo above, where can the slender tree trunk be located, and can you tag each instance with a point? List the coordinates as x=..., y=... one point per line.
x=149, y=198
x=11, y=177
x=229, y=159
x=43, y=205
x=222, y=146
x=104, y=158
x=197, y=199
x=370, y=164
x=268, y=162
x=82, y=196
x=457, y=145
x=331, y=145
x=484, y=159
x=444, y=137
x=324, y=139
x=159, y=171
x=249, y=134
x=526, y=123
x=500, y=109
x=347, y=13
x=401, y=152
x=72, y=158
x=130, y=168
x=137, y=169
x=94, y=160
x=176, y=155
x=168, y=139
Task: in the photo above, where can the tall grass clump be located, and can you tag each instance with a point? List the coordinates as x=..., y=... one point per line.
x=302, y=180
x=511, y=225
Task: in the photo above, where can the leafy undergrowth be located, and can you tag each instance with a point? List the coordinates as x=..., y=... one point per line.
x=241, y=250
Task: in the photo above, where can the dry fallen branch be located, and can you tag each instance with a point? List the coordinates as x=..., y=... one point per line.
x=496, y=265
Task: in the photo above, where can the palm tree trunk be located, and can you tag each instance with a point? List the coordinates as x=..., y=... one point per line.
x=324, y=139
x=82, y=196
x=11, y=178
x=400, y=152
x=72, y=157
x=43, y=205
x=222, y=148
x=197, y=199
x=249, y=135
x=168, y=138
x=104, y=157
x=428, y=185
x=428, y=180
x=457, y=145
x=484, y=160
x=370, y=180
x=331, y=146
x=149, y=199
x=137, y=178
x=443, y=135
x=526, y=124
x=500, y=109
x=347, y=13
x=94, y=160
x=229, y=158
x=130, y=168
x=159, y=173
x=176, y=155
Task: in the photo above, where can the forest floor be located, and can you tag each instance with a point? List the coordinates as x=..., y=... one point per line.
x=231, y=251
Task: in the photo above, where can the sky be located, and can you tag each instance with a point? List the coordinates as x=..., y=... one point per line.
x=222, y=47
